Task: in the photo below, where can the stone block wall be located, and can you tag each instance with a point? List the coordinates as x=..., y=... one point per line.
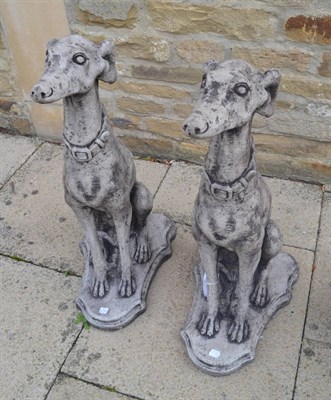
x=14, y=114
x=162, y=45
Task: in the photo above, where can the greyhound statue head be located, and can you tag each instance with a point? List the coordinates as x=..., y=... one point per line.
x=72, y=66
x=231, y=92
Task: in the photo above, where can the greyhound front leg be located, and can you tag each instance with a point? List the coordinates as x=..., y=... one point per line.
x=99, y=284
x=209, y=323
x=122, y=221
x=239, y=329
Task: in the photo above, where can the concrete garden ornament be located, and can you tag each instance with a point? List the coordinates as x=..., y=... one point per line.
x=242, y=276
x=124, y=242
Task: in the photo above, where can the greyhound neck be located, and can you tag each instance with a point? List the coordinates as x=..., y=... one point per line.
x=82, y=116
x=229, y=154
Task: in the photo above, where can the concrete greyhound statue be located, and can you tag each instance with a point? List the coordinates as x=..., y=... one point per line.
x=99, y=172
x=232, y=212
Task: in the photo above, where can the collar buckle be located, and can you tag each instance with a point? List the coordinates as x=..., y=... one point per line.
x=86, y=153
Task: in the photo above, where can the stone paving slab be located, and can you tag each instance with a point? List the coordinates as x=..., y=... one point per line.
x=37, y=328
x=318, y=324
x=14, y=151
x=178, y=191
x=314, y=372
x=148, y=359
x=296, y=205
x=35, y=222
x=66, y=388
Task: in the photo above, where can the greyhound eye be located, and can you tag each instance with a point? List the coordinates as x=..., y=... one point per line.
x=241, y=89
x=79, y=59
x=203, y=82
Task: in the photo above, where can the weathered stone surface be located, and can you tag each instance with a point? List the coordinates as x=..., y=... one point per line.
x=66, y=388
x=6, y=105
x=318, y=324
x=324, y=68
x=314, y=371
x=286, y=213
x=14, y=150
x=258, y=121
x=284, y=105
x=143, y=47
x=318, y=110
x=167, y=74
x=29, y=227
x=150, y=174
x=297, y=231
x=179, y=204
x=143, y=107
x=48, y=235
x=296, y=168
x=267, y=58
x=37, y=327
x=292, y=146
x=192, y=151
x=121, y=14
x=4, y=61
x=2, y=41
x=168, y=92
x=93, y=33
x=47, y=121
x=128, y=122
x=22, y=125
x=200, y=51
x=151, y=147
x=296, y=124
x=288, y=3
x=7, y=85
x=120, y=312
x=183, y=110
x=150, y=361
x=165, y=127
x=309, y=29
x=190, y=18
x=305, y=86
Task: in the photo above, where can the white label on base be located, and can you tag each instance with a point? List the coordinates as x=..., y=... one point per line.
x=214, y=353
x=103, y=310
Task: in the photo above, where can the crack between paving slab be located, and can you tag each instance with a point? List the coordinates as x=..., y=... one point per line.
x=59, y=371
x=20, y=259
x=157, y=190
x=22, y=165
x=103, y=387
x=317, y=341
x=309, y=291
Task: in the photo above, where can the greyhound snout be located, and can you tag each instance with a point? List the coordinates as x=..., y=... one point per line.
x=41, y=93
x=195, y=125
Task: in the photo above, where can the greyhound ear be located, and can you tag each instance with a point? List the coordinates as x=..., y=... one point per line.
x=107, y=52
x=270, y=81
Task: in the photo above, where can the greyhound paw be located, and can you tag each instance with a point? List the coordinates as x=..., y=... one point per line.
x=143, y=253
x=260, y=296
x=209, y=324
x=239, y=331
x=127, y=287
x=100, y=285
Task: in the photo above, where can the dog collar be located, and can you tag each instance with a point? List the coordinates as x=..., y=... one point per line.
x=87, y=152
x=236, y=188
